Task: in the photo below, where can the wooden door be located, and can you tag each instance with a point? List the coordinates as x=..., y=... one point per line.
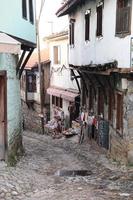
x=2, y=117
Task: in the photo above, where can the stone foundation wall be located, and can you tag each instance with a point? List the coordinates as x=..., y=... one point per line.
x=118, y=147
x=31, y=117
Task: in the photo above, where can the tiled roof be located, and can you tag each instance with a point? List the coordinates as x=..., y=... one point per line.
x=33, y=61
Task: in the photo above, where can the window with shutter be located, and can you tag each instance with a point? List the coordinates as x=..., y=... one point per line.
x=99, y=20
x=31, y=15
x=24, y=9
x=123, y=17
x=87, y=25
x=71, y=32
x=56, y=55
x=31, y=83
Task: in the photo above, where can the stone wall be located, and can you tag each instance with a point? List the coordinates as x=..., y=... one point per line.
x=120, y=142
x=118, y=147
x=31, y=116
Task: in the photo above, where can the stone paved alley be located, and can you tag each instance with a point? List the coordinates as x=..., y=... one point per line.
x=35, y=177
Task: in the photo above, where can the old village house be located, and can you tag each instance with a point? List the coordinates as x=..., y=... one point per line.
x=30, y=91
x=101, y=51
x=17, y=41
x=63, y=89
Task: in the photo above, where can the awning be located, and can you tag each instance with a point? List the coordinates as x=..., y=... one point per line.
x=65, y=94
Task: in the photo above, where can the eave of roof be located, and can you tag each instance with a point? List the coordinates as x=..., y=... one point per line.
x=68, y=7
x=57, y=36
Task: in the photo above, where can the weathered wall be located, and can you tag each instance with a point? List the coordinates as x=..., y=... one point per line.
x=31, y=119
x=61, y=78
x=8, y=62
x=120, y=142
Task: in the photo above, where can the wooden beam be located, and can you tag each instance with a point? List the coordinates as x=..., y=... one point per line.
x=82, y=77
x=25, y=62
x=75, y=77
x=102, y=86
x=91, y=82
x=20, y=61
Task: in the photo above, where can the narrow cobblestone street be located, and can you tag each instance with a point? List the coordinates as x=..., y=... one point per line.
x=35, y=176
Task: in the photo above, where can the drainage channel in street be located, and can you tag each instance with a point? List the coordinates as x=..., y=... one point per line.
x=73, y=173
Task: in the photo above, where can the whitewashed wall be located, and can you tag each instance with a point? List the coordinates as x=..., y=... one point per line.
x=61, y=79
x=101, y=50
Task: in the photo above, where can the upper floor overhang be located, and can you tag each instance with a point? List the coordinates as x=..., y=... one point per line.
x=18, y=20
x=68, y=7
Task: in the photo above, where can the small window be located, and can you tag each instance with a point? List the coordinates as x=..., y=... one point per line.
x=99, y=20
x=119, y=114
x=123, y=17
x=57, y=55
x=53, y=100
x=87, y=25
x=31, y=83
x=71, y=30
x=57, y=101
x=31, y=13
x=24, y=9
x=60, y=102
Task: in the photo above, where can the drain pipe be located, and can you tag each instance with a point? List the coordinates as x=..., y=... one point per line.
x=39, y=66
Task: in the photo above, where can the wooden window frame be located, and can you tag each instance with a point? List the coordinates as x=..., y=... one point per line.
x=120, y=30
x=24, y=9
x=99, y=29
x=87, y=25
x=72, y=32
x=57, y=101
x=57, y=54
x=119, y=113
x=31, y=86
x=61, y=102
x=31, y=11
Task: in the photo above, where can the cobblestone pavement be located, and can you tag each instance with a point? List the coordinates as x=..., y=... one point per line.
x=35, y=176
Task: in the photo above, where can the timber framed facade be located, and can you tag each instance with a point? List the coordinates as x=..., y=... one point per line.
x=105, y=68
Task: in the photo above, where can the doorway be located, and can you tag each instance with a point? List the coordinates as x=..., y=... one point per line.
x=3, y=114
